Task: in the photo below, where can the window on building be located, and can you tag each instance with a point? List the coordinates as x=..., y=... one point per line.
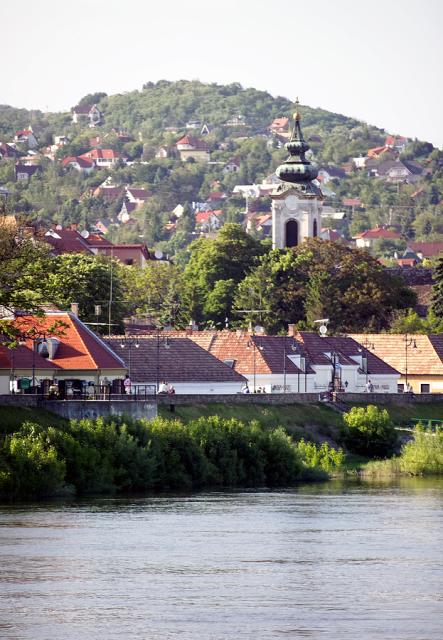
x=291, y=233
x=400, y=388
x=230, y=363
x=129, y=261
x=425, y=388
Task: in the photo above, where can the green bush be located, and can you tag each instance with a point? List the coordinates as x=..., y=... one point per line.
x=424, y=454
x=102, y=456
x=29, y=464
x=369, y=431
x=321, y=456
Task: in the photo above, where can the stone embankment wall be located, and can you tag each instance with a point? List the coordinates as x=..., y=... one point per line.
x=77, y=409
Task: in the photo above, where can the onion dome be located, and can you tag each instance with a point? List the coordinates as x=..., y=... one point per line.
x=296, y=169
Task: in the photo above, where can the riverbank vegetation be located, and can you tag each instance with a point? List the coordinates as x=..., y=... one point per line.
x=107, y=456
x=423, y=455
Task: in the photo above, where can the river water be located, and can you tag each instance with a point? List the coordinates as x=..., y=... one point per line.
x=329, y=561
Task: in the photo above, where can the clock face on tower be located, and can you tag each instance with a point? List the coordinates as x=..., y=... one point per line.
x=291, y=202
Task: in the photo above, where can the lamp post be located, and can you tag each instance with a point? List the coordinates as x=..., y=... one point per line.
x=165, y=340
x=366, y=346
x=409, y=342
x=251, y=343
x=129, y=342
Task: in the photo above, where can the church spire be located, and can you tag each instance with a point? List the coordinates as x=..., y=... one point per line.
x=297, y=169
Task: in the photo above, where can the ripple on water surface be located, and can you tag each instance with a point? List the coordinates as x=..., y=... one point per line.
x=324, y=561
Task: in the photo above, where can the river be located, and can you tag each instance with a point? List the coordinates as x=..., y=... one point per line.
x=330, y=561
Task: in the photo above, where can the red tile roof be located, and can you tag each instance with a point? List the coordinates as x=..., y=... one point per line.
x=79, y=348
x=66, y=241
x=426, y=359
x=427, y=249
x=378, y=232
x=351, y=202
x=105, y=154
x=84, y=163
x=204, y=216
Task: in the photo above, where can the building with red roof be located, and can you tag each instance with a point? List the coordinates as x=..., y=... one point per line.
x=79, y=163
x=190, y=147
x=58, y=348
x=367, y=238
x=102, y=157
x=279, y=125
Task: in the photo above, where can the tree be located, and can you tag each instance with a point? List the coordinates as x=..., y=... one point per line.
x=437, y=295
x=88, y=280
x=369, y=431
x=226, y=258
x=23, y=265
x=322, y=277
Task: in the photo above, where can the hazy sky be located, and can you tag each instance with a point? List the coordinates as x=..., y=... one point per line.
x=379, y=61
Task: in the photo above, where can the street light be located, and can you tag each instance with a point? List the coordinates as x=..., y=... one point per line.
x=165, y=340
x=129, y=342
x=365, y=346
x=294, y=349
x=409, y=342
x=251, y=343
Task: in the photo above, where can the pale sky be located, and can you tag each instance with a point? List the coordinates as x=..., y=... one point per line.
x=378, y=61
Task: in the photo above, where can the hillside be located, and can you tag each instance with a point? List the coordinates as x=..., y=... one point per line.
x=230, y=125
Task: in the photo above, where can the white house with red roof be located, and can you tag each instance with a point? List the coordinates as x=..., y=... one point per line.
x=208, y=221
x=26, y=136
x=137, y=195
x=190, y=147
x=106, y=158
x=57, y=349
x=366, y=239
x=79, y=163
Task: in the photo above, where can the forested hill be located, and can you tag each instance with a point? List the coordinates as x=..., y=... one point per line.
x=173, y=104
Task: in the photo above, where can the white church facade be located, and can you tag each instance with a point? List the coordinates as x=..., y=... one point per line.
x=297, y=201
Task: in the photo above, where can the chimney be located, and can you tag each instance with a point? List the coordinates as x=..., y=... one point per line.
x=291, y=330
x=74, y=308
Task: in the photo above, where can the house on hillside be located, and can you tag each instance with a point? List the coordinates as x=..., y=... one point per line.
x=180, y=362
x=232, y=166
x=279, y=125
x=103, y=158
x=427, y=249
x=326, y=173
x=399, y=143
x=89, y=114
x=398, y=171
x=24, y=172
x=68, y=358
x=84, y=165
x=366, y=239
x=26, y=136
x=162, y=151
x=208, y=221
x=137, y=195
x=190, y=147
x=419, y=359
x=9, y=151
x=238, y=120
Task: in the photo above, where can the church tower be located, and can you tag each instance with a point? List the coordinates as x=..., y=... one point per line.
x=296, y=203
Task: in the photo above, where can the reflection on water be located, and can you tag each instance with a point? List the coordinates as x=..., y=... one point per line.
x=322, y=561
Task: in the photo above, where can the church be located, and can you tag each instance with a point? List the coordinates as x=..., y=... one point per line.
x=296, y=202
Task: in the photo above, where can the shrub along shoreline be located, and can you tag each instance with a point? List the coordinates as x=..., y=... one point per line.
x=117, y=455
x=107, y=456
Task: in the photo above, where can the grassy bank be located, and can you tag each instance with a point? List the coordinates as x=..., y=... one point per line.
x=12, y=418
x=297, y=419
x=402, y=415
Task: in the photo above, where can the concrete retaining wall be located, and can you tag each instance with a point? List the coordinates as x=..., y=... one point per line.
x=76, y=409
x=240, y=398
x=390, y=398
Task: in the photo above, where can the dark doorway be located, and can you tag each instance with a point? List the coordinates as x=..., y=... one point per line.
x=314, y=229
x=291, y=233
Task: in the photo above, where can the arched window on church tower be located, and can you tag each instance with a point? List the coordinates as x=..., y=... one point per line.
x=291, y=233
x=314, y=229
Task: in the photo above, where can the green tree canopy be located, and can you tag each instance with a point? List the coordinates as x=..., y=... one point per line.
x=323, y=279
